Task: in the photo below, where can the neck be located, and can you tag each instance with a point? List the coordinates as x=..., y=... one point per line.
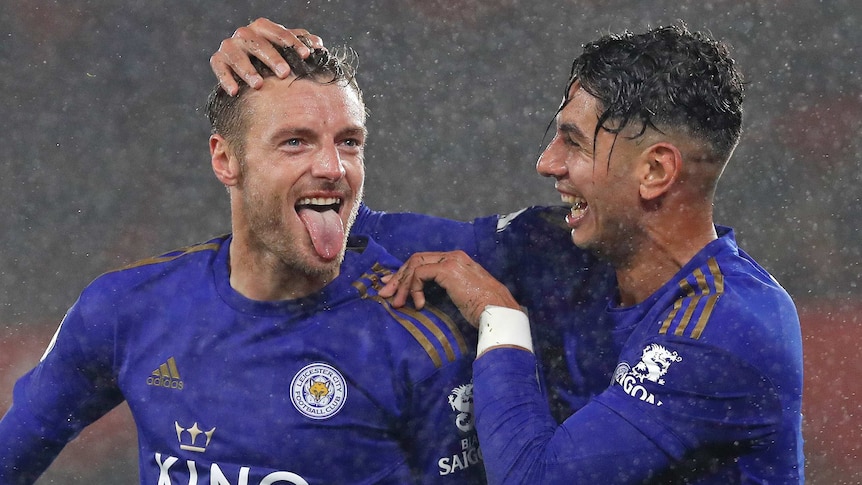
x=261, y=275
x=660, y=256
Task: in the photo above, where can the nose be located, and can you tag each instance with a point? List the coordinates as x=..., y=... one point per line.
x=328, y=164
x=552, y=162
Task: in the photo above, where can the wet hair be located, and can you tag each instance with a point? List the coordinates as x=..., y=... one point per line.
x=225, y=112
x=667, y=77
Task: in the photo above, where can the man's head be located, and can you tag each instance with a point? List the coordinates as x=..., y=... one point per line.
x=225, y=112
x=666, y=78
x=291, y=154
x=646, y=126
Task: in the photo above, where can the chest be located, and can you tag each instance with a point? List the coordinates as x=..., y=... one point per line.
x=239, y=395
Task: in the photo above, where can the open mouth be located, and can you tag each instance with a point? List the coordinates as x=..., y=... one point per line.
x=323, y=222
x=579, y=205
x=319, y=204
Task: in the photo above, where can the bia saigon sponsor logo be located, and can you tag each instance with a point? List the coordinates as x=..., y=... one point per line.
x=653, y=365
x=461, y=401
x=318, y=391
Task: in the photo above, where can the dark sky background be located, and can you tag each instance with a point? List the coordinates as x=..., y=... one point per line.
x=104, y=144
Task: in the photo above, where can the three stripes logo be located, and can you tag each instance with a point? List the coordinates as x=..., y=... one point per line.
x=166, y=376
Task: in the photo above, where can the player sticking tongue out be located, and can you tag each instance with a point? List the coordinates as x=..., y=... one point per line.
x=324, y=224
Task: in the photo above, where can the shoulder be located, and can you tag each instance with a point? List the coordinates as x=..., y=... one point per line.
x=729, y=308
x=433, y=337
x=157, y=273
x=729, y=293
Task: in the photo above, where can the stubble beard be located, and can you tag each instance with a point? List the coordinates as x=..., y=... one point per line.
x=617, y=243
x=270, y=237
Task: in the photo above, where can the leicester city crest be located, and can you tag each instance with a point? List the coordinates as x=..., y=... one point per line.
x=318, y=391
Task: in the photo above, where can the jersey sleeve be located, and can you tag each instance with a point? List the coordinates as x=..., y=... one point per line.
x=522, y=443
x=68, y=389
x=637, y=429
x=404, y=233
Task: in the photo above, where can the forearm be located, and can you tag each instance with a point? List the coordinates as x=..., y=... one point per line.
x=25, y=449
x=521, y=442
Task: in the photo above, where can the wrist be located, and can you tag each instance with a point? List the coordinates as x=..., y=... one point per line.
x=503, y=327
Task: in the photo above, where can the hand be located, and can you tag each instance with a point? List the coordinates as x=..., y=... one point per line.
x=469, y=286
x=257, y=39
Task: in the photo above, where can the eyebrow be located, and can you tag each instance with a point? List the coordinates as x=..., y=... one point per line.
x=355, y=131
x=310, y=133
x=573, y=131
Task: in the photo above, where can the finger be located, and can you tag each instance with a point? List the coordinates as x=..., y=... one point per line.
x=403, y=283
x=315, y=41
x=390, y=284
x=232, y=57
x=421, y=268
x=400, y=285
x=248, y=42
x=282, y=36
x=224, y=74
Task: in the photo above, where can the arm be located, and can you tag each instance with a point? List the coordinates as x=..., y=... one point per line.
x=633, y=431
x=405, y=233
x=52, y=403
x=715, y=408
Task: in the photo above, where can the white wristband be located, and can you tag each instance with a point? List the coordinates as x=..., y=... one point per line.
x=503, y=326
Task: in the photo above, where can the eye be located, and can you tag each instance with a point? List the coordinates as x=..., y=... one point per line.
x=352, y=142
x=572, y=142
x=294, y=142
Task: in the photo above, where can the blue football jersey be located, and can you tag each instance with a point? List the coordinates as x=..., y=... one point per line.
x=701, y=383
x=336, y=387
x=564, y=288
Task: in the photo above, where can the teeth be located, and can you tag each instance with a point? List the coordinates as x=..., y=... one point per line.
x=319, y=201
x=579, y=204
x=574, y=201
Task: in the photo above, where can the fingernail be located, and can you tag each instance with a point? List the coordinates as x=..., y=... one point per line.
x=282, y=69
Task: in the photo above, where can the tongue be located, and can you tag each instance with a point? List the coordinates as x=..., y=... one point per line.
x=326, y=231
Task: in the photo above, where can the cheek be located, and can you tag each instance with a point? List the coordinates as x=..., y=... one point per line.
x=355, y=173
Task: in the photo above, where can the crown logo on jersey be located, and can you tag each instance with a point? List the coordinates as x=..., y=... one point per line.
x=167, y=376
x=192, y=443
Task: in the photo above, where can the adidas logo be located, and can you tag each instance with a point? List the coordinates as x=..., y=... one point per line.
x=193, y=433
x=167, y=376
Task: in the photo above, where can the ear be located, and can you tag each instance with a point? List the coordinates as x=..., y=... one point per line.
x=662, y=168
x=225, y=164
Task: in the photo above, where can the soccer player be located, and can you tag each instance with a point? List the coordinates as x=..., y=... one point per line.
x=707, y=381
x=264, y=356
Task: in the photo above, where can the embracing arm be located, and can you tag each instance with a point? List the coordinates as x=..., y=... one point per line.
x=521, y=442
x=714, y=407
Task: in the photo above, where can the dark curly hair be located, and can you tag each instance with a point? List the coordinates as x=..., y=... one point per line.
x=667, y=77
x=225, y=111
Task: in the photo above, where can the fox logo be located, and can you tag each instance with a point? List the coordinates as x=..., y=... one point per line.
x=318, y=389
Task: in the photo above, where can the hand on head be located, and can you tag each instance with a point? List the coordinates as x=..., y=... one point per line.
x=257, y=40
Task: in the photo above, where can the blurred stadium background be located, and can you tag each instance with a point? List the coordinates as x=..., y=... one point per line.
x=104, y=155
